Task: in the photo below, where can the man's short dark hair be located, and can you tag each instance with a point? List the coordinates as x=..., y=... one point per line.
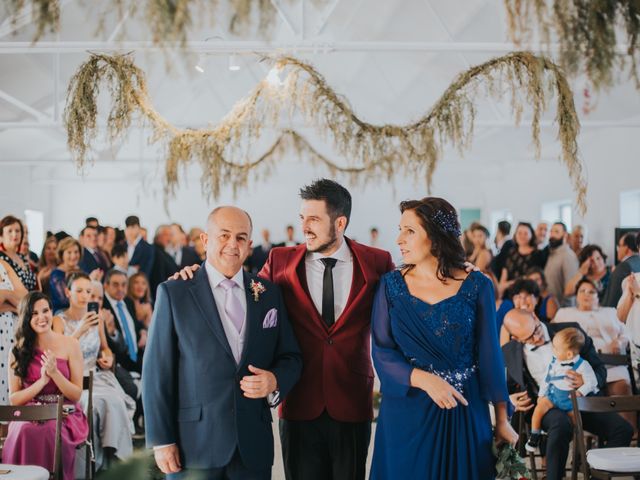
x=630, y=240
x=525, y=285
x=132, y=221
x=504, y=227
x=88, y=227
x=119, y=250
x=562, y=224
x=336, y=197
x=89, y=220
x=112, y=273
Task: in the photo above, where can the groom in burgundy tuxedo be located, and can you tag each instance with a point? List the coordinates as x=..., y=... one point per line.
x=328, y=285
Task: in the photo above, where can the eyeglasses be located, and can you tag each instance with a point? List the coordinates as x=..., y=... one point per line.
x=537, y=330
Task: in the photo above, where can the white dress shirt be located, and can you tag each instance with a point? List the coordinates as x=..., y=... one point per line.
x=538, y=359
x=342, y=277
x=128, y=319
x=131, y=247
x=236, y=339
x=557, y=369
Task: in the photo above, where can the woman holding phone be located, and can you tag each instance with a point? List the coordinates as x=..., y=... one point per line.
x=113, y=409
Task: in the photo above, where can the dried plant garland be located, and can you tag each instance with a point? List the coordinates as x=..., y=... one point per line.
x=586, y=33
x=414, y=149
x=169, y=21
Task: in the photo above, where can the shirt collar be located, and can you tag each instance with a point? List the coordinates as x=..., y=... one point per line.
x=547, y=338
x=574, y=360
x=215, y=277
x=136, y=241
x=343, y=254
x=112, y=300
x=90, y=250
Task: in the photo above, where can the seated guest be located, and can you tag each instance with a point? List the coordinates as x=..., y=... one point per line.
x=608, y=334
x=527, y=355
x=44, y=365
x=555, y=392
x=140, y=252
x=627, y=254
x=120, y=259
x=91, y=260
x=592, y=267
x=481, y=256
x=195, y=241
x=523, y=256
x=48, y=262
x=547, y=303
x=182, y=254
x=127, y=325
x=138, y=293
x=113, y=410
x=523, y=295
x=68, y=254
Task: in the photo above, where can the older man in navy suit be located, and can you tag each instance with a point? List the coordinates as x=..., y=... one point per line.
x=220, y=353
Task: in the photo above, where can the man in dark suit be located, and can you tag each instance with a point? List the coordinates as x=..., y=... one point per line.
x=328, y=285
x=221, y=351
x=504, y=244
x=141, y=254
x=164, y=264
x=627, y=251
x=527, y=357
x=182, y=254
x=91, y=256
x=129, y=347
x=260, y=253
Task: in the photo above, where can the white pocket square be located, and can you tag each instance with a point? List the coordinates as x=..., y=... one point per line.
x=270, y=319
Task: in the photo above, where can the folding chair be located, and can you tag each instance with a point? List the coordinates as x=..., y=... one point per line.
x=38, y=413
x=622, y=359
x=603, y=463
x=89, y=457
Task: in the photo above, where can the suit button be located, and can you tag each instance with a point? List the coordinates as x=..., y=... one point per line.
x=330, y=341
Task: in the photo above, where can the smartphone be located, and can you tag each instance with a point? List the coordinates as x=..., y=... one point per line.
x=93, y=307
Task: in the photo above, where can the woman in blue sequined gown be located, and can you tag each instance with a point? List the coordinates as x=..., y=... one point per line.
x=436, y=351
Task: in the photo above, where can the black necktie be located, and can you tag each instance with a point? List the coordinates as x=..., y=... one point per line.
x=328, y=313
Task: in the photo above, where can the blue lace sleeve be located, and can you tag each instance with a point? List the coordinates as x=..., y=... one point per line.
x=392, y=367
x=490, y=361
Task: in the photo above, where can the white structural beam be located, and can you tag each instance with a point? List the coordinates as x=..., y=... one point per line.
x=41, y=117
x=249, y=47
x=283, y=16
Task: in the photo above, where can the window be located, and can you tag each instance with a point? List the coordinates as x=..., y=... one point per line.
x=630, y=208
x=468, y=216
x=559, y=211
x=35, y=225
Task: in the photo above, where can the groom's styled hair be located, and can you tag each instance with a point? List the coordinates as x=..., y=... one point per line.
x=337, y=198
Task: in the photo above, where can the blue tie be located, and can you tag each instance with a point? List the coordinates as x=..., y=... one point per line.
x=133, y=355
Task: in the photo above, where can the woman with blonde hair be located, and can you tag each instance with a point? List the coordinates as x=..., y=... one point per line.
x=139, y=292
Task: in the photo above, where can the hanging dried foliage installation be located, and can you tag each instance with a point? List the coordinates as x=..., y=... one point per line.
x=294, y=87
x=586, y=33
x=168, y=21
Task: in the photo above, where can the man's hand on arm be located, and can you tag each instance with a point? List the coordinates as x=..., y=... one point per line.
x=521, y=401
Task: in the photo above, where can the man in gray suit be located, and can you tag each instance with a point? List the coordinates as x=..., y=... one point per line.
x=627, y=251
x=220, y=353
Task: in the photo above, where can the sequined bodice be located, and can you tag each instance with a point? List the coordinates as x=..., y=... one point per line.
x=89, y=342
x=439, y=337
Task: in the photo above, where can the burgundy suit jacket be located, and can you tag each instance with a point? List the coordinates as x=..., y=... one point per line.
x=337, y=374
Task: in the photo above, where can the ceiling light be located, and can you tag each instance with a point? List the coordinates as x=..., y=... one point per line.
x=234, y=66
x=200, y=65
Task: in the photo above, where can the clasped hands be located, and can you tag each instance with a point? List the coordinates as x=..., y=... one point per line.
x=49, y=366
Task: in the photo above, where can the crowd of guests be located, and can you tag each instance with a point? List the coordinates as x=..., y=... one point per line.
x=99, y=289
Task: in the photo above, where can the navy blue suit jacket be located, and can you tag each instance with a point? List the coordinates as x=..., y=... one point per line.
x=88, y=263
x=191, y=383
x=142, y=257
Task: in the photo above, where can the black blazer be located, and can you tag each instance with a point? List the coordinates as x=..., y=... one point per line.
x=191, y=382
x=143, y=258
x=88, y=263
x=119, y=346
x=189, y=257
x=518, y=376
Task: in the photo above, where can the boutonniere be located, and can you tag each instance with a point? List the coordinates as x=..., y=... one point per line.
x=257, y=288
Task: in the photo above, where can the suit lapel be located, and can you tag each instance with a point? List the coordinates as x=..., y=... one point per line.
x=358, y=282
x=297, y=275
x=203, y=296
x=251, y=319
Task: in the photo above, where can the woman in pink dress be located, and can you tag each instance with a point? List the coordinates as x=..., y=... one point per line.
x=44, y=365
